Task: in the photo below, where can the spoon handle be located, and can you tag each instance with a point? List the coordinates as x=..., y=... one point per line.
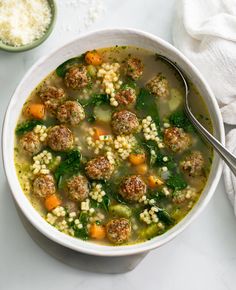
x=228, y=157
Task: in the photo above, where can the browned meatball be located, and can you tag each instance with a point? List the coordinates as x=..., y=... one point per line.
x=60, y=138
x=52, y=97
x=124, y=122
x=118, y=230
x=77, y=77
x=77, y=188
x=126, y=96
x=176, y=139
x=133, y=188
x=70, y=112
x=193, y=164
x=30, y=143
x=134, y=68
x=44, y=186
x=159, y=86
x=99, y=168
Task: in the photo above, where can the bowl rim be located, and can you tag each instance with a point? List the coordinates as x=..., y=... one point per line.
x=37, y=42
x=85, y=246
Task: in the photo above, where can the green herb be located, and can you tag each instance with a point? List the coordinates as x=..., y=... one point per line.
x=180, y=120
x=63, y=68
x=89, y=85
x=83, y=232
x=146, y=102
x=176, y=182
x=70, y=165
x=27, y=126
x=165, y=217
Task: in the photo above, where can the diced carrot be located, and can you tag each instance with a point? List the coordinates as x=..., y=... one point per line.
x=99, y=132
x=137, y=159
x=52, y=202
x=35, y=110
x=142, y=169
x=154, y=181
x=93, y=57
x=97, y=232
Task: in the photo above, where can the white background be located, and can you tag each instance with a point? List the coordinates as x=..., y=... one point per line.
x=203, y=257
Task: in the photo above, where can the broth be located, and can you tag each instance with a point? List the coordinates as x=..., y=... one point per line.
x=104, y=151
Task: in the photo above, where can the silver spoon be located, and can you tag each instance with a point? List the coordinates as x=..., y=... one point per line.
x=228, y=157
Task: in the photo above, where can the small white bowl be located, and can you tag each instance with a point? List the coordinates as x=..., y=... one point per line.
x=100, y=39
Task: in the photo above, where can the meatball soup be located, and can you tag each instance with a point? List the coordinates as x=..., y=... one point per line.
x=104, y=150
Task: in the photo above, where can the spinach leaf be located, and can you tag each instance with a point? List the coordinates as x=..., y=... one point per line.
x=165, y=217
x=94, y=203
x=105, y=203
x=170, y=164
x=176, y=182
x=146, y=102
x=63, y=68
x=27, y=126
x=116, y=196
x=129, y=83
x=136, y=211
x=83, y=232
x=111, y=191
x=180, y=120
x=98, y=99
x=152, y=150
x=70, y=165
x=157, y=196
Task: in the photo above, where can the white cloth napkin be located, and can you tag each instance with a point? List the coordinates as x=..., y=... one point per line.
x=205, y=31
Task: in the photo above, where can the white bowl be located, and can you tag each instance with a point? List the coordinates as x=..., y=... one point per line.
x=100, y=39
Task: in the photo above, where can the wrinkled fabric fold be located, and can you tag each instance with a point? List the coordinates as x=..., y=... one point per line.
x=205, y=31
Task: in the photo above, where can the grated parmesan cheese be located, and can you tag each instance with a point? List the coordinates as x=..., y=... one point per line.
x=23, y=21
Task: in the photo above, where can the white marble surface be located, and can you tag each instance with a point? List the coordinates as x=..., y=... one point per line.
x=203, y=257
